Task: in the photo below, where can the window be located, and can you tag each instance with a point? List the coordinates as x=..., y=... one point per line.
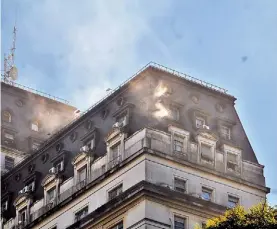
x=82, y=174
x=199, y=122
x=31, y=186
x=4, y=205
x=115, y=151
x=118, y=226
x=207, y=193
x=122, y=120
x=81, y=214
x=23, y=215
x=51, y=194
x=7, y=117
x=115, y=192
x=225, y=132
x=206, y=153
x=9, y=136
x=34, y=126
x=35, y=145
x=9, y=162
x=232, y=161
x=178, y=145
x=175, y=113
x=59, y=166
x=232, y=201
x=179, y=223
x=179, y=185
x=203, y=226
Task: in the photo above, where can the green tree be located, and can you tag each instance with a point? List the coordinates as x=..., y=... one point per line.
x=261, y=216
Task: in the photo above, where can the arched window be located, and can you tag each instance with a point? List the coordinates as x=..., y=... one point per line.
x=6, y=116
x=35, y=126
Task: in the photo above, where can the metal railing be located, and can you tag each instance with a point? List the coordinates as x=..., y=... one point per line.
x=44, y=94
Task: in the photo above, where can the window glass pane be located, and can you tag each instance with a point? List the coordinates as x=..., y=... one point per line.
x=34, y=126
x=232, y=157
x=180, y=185
x=9, y=162
x=206, y=193
x=7, y=116
x=179, y=223
x=232, y=201
x=51, y=194
x=82, y=174
x=178, y=145
x=115, y=151
x=81, y=214
x=206, y=152
x=115, y=192
x=200, y=122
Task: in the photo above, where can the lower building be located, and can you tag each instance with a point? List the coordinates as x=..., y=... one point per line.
x=142, y=182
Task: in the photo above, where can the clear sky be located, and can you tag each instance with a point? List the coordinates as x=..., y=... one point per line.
x=78, y=49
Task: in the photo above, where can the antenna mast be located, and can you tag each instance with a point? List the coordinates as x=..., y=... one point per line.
x=10, y=70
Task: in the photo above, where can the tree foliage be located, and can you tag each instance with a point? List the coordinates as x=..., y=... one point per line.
x=261, y=216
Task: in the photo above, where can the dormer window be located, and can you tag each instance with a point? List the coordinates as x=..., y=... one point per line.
x=35, y=126
x=232, y=161
x=31, y=186
x=225, y=132
x=51, y=195
x=9, y=162
x=59, y=166
x=23, y=216
x=206, y=153
x=4, y=205
x=199, y=122
x=175, y=113
x=82, y=174
x=6, y=116
x=178, y=145
x=115, y=151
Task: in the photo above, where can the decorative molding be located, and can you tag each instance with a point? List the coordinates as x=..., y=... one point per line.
x=24, y=197
x=79, y=157
x=48, y=179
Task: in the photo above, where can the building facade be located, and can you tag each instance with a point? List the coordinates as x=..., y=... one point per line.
x=164, y=150
x=28, y=117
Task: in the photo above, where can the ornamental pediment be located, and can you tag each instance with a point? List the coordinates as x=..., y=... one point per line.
x=48, y=179
x=21, y=199
x=208, y=135
x=79, y=157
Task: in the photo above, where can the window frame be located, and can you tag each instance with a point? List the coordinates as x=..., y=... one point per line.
x=228, y=162
x=22, y=212
x=227, y=135
x=53, y=189
x=201, y=119
x=115, y=188
x=207, y=189
x=76, y=219
x=5, y=164
x=35, y=123
x=234, y=197
x=183, y=180
x=7, y=116
x=180, y=217
x=116, y=226
x=211, y=147
x=83, y=168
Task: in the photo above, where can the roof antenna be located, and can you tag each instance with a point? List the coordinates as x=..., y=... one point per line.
x=10, y=70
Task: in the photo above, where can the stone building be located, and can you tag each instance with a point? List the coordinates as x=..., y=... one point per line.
x=163, y=150
x=28, y=117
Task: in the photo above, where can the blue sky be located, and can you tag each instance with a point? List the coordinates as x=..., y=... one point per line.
x=77, y=49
